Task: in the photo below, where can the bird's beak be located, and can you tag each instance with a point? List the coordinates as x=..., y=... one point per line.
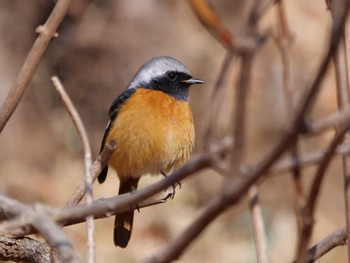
x=193, y=81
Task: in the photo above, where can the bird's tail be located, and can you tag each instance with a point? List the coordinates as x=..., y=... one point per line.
x=123, y=222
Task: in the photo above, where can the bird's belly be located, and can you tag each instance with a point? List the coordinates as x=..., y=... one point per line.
x=154, y=133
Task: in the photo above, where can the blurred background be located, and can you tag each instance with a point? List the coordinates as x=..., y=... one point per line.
x=101, y=44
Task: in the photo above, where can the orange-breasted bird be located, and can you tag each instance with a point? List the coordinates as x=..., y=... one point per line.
x=152, y=123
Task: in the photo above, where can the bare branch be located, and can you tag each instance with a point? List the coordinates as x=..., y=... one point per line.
x=117, y=204
x=309, y=210
x=239, y=131
x=46, y=33
x=284, y=41
x=307, y=159
x=240, y=110
x=333, y=120
x=10, y=208
x=97, y=167
x=210, y=20
x=55, y=237
x=51, y=232
x=336, y=238
x=216, y=101
x=26, y=250
x=343, y=98
x=234, y=190
x=90, y=227
x=258, y=226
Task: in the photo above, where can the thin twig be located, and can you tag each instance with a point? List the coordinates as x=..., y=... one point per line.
x=343, y=98
x=239, y=132
x=238, y=150
x=314, y=157
x=336, y=238
x=55, y=237
x=309, y=210
x=284, y=41
x=14, y=226
x=97, y=167
x=216, y=101
x=237, y=155
x=330, y=121
x=258, y=225
x=51, y=232
x=90, y=227
x=211, y=21
x=121, y=203
x=234, y=191
x=46, y=33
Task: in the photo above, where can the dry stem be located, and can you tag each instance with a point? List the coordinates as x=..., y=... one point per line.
x=90, y=227
x=46, y=33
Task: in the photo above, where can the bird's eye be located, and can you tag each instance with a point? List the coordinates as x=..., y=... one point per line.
x=171, y=75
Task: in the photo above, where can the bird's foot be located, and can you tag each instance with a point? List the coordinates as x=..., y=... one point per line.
x=172, y=195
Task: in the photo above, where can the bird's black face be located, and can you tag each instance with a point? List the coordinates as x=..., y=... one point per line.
x=174, y=83
x=165, y=74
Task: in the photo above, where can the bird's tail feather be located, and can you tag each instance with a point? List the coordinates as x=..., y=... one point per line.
x=124, y=222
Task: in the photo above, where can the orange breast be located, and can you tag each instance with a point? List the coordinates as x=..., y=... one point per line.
x=154, y=132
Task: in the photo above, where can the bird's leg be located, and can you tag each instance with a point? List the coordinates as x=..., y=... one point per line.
x=174, y=185
x=133, y=184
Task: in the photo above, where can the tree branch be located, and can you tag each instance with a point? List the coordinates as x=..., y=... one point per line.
x=234, y=190
x=90, y=226
x=108, y=206
x=343, y=98
x=97, y=167
x=258, y=226
x=26, y=250
x=336, y=238
x=46, y=33
x=309, y=209
x=55, y=237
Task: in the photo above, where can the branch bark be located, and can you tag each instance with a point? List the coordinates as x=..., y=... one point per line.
x=109, y=206
x=234, y=190
x=26, y=250
x=78, y=123
x=46, y=33
x=343, y=98
x=309, y=209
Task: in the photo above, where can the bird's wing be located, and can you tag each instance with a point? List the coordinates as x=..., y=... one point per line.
x=113, y=112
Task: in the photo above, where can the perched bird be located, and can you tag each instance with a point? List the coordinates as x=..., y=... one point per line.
x=151, y=121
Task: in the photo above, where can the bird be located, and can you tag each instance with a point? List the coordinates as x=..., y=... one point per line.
x=152, y=123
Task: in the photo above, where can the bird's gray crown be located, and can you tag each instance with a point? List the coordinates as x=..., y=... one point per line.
x=155, y=68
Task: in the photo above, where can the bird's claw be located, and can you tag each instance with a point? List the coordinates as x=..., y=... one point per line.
x=171, y=195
